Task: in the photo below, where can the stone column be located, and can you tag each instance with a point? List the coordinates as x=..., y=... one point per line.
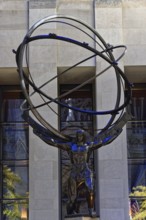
x=44, y=193
x=112, y=163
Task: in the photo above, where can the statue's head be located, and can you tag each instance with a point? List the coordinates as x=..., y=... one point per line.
x=80, y=136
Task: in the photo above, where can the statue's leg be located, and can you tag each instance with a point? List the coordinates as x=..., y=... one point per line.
x=72, y=195
x=90, y=193
x=90, y=201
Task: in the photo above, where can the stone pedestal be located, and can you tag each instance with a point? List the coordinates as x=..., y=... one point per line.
x=81, y=218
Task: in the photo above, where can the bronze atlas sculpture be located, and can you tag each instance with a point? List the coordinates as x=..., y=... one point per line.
x=78, y=147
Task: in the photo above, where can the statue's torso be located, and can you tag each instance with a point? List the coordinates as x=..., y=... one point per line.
x=79, y=153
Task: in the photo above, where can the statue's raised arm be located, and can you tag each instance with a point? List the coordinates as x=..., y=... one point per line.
x=106, y=137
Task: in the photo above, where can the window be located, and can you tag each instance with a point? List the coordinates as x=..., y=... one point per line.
x=136, y=137
x=13, y=156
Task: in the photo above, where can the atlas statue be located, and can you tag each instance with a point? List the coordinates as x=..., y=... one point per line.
x=78, y=148
x=79, y=153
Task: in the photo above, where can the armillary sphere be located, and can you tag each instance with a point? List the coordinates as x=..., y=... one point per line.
x=98, y=49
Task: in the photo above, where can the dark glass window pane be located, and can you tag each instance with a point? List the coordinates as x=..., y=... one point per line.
x=137, y=174
x=15, y=182
x=15, y=209
x=136, y=139
x=136, y=142
x=15, y=141
x=11, y=111
x=81, y=103
x=14, y=156
x=71, y=120
x=138, y=107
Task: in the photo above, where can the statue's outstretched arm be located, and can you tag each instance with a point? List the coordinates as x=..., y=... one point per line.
x=47, y=139
x=111, y=134
x=95, y=145
x=62, y=146
x=45, y=135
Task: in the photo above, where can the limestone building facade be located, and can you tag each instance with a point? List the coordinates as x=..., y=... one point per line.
x=118, y=22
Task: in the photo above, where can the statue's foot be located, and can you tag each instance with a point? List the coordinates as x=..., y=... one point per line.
x=72, y=209
x=92, y=213
x=69, y=208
